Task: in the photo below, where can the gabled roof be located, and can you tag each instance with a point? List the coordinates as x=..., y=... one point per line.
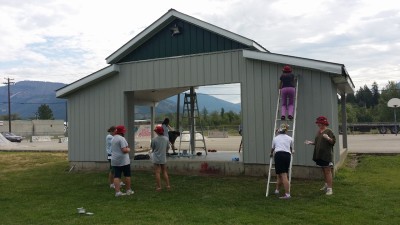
x=163, y=21
x=339, y=73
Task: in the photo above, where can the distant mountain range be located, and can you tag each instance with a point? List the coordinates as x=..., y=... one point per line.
x=27, y=96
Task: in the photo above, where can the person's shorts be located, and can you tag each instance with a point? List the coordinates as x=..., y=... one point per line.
x=282, y=162
x=111, y=167
x=323, y=163
x=119, y=170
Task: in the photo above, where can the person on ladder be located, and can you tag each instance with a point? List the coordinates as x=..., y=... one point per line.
x=282, y=146
x=170, y=134
x=287, y=88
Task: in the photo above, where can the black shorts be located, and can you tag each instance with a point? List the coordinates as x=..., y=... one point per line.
x=323, y=163
x=111, y=167
x=119, y=170
x=282, y=162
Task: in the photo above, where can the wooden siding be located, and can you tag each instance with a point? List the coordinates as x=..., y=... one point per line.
x=191, y=40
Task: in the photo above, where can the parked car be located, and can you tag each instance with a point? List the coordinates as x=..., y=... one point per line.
x=12, y=137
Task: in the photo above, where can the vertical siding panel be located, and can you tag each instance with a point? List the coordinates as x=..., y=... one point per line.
x=228, y=68
x=200, y=71
x=181, y=73
x=235, y=62
x=260, y=117
x=193, y=71
x=221, y=68
x=207, y=69
x=267, y=106
x=251, y=128
x=186, y=66
x=155, y=82
x=214, y=69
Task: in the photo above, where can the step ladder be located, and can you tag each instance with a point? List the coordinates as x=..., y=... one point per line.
x=186, y=114
x=291, y=132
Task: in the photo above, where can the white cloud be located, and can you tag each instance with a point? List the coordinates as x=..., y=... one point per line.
x=65, y=40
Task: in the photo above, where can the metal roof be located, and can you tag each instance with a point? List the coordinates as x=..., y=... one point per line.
x=166, y=19
x=338, y=71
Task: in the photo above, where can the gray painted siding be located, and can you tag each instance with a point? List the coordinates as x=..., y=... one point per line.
x=96, y=107
x=209, y=69
x=91, y=113
x=317, y=96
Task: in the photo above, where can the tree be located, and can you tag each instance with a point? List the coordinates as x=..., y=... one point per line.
x=364, y=97
x=45, y=113
x=375, y=94
x=390, y=91
x=222, y=112
x=14, y=116
x=205, y=113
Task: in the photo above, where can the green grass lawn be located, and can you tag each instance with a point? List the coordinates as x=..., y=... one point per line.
x=36, y=188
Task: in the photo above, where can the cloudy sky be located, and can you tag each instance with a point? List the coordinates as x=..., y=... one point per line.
x=65, y=40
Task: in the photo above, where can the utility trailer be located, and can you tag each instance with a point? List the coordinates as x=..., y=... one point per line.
x=382, y=127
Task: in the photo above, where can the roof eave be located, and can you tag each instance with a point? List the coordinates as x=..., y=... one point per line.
x=92, y=78
x=339, y=73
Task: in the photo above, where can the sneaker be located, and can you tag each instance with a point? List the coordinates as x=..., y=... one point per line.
x=112, y=186
x=118, y=194
x=122, y=183
x=276, y=192
x=290, y=117
x=323, y=188
x=283, y=117
x=329, y=191
x=129, y=192
x=285, y=197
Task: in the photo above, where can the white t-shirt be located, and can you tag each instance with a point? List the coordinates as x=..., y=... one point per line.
x=282, y=143
x=108, y=143
x=118, y=158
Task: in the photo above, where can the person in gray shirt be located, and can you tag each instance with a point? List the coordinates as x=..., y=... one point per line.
x=120, y=161
x=160, y=146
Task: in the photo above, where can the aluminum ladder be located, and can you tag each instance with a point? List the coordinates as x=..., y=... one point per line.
x=291, y=132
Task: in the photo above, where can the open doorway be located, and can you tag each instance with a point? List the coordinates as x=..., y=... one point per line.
x=218, y=117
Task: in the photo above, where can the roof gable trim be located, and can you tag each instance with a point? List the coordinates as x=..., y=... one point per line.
x=101, y=74
x=172, y=14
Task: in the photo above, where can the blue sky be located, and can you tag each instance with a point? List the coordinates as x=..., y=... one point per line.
x=65, y=40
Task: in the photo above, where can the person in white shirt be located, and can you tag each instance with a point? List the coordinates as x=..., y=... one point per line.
x=282, y=146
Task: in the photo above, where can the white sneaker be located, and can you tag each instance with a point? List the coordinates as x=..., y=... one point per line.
x=276, y=192
x=130, y=192
x=122, y=183
x=117, y=194
x=112, y=186
x=286, y=196
x=329, y=191
x=324, y=188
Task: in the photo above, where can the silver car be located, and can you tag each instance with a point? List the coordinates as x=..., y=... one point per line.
x=12, y=137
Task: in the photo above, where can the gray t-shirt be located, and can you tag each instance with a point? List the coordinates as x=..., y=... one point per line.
x=118, y=158
x=160, y=145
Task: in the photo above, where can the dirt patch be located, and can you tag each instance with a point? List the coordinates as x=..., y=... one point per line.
x=352, y=160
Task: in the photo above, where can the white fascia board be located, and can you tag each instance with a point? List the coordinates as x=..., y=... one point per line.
x=341, y=79
x=295, y=61
x=101, y=74
x=173, y=13
x=144, y=33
